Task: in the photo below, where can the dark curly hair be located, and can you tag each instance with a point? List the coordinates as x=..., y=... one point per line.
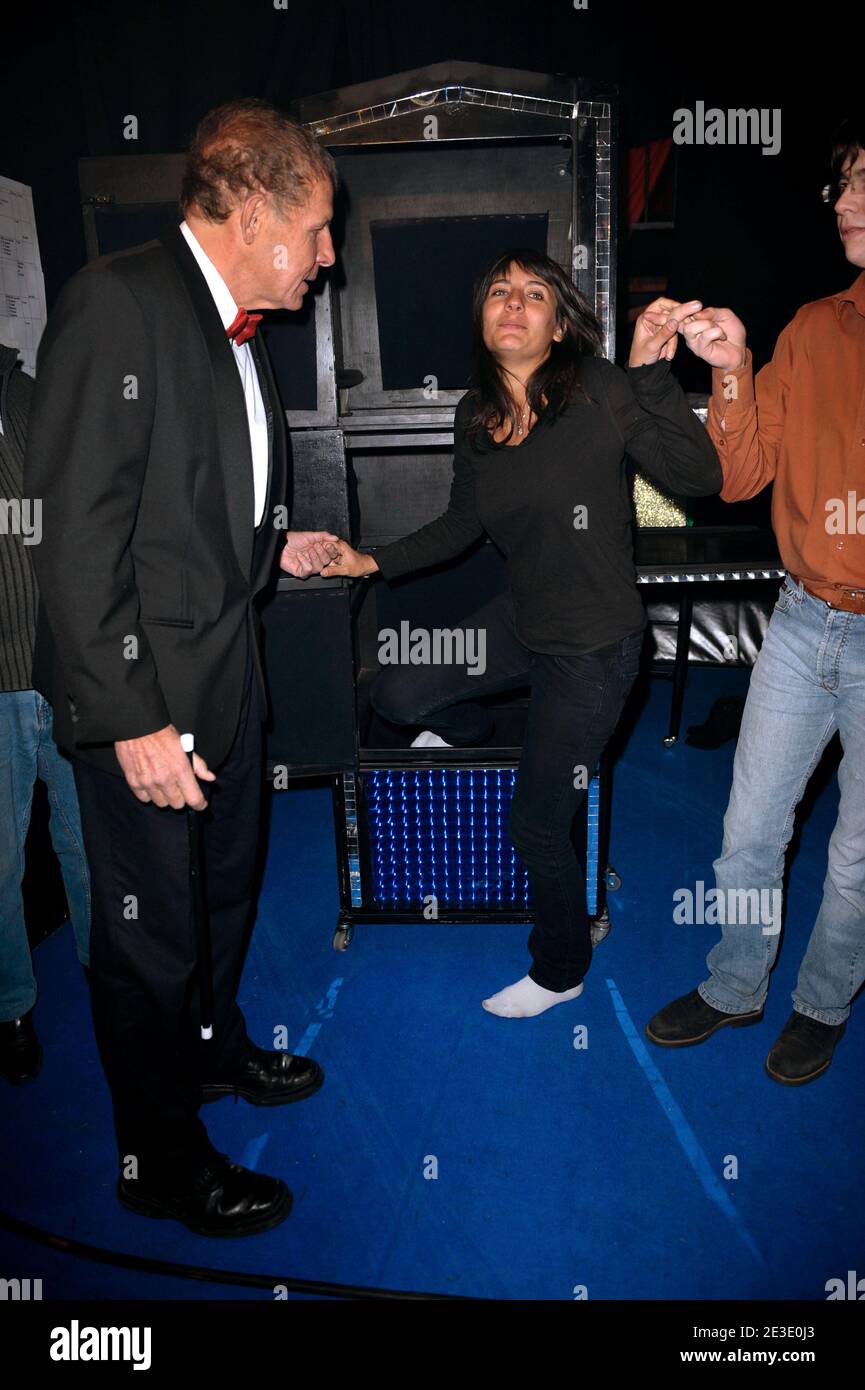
x=847, y=140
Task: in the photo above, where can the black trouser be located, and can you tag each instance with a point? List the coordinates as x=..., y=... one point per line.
x=573, y=710
x=144, y=986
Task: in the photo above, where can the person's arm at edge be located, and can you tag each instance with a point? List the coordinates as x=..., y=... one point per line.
x=85, y=458
x=745, y=419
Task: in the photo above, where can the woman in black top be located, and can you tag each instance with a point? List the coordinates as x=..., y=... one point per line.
x=540, y=448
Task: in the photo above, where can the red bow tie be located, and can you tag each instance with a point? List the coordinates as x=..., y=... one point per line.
x=243, y=327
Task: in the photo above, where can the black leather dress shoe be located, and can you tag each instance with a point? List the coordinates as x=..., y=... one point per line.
x=269, y=1078
x=20, y=1052
x=220, y=1199
x=690, y=1020
x=804, y=1050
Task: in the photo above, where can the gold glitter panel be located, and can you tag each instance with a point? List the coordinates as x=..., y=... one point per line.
x=654, y=507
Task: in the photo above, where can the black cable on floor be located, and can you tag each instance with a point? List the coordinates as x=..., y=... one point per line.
x=204, y=1274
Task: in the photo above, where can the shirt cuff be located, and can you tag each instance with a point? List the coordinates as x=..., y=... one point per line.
x=732, y=389
x=652, y=380
x=649, y=371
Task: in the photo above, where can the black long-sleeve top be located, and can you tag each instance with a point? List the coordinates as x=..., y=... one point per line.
x=572, y=574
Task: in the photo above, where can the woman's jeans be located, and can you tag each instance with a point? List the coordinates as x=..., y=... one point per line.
x=574, y=707
x=808, y=681
x=28, y=750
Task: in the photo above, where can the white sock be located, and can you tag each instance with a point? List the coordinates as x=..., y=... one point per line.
x=430, y=740
x=525, y=999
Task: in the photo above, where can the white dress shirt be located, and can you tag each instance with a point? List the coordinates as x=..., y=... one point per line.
x=255, y=412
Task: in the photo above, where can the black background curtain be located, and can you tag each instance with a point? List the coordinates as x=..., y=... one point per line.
x=750, y=230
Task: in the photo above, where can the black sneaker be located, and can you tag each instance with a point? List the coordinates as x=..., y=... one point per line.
x=804, y=1050
x=221, y=1199
x=20, y=1052
x=690, y=1020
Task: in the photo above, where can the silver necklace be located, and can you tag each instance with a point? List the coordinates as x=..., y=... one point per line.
x=521, y=419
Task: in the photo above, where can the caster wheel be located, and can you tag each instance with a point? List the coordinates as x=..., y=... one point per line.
x=600, y=927
x=612, y=880
x=342, y=938
x=670, y=740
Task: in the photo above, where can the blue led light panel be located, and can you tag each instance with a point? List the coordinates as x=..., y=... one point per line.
x=443, y=832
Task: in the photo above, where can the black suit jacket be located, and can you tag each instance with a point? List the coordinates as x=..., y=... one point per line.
x=149, y=563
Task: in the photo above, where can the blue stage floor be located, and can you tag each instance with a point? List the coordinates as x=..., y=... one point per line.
x=556, y=1167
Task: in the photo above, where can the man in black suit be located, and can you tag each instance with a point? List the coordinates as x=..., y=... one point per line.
x=158, y=448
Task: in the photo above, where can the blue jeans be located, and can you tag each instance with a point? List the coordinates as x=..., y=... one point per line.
x=574, y=707
x=28, y=751
x=808, y=681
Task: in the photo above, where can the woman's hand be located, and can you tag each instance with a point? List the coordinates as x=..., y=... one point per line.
x=655, y=332
x=717, y=336
x=350, y=563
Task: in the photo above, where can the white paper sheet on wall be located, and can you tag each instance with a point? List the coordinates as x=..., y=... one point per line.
x=22, y=285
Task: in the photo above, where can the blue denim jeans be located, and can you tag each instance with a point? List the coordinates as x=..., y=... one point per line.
x=808, y=681
x=28, y=751
x=574, y=706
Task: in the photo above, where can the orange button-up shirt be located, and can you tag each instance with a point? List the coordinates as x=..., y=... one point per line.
x=801, y=423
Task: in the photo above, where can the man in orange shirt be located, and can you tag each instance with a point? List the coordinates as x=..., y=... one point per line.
x=801, y=425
